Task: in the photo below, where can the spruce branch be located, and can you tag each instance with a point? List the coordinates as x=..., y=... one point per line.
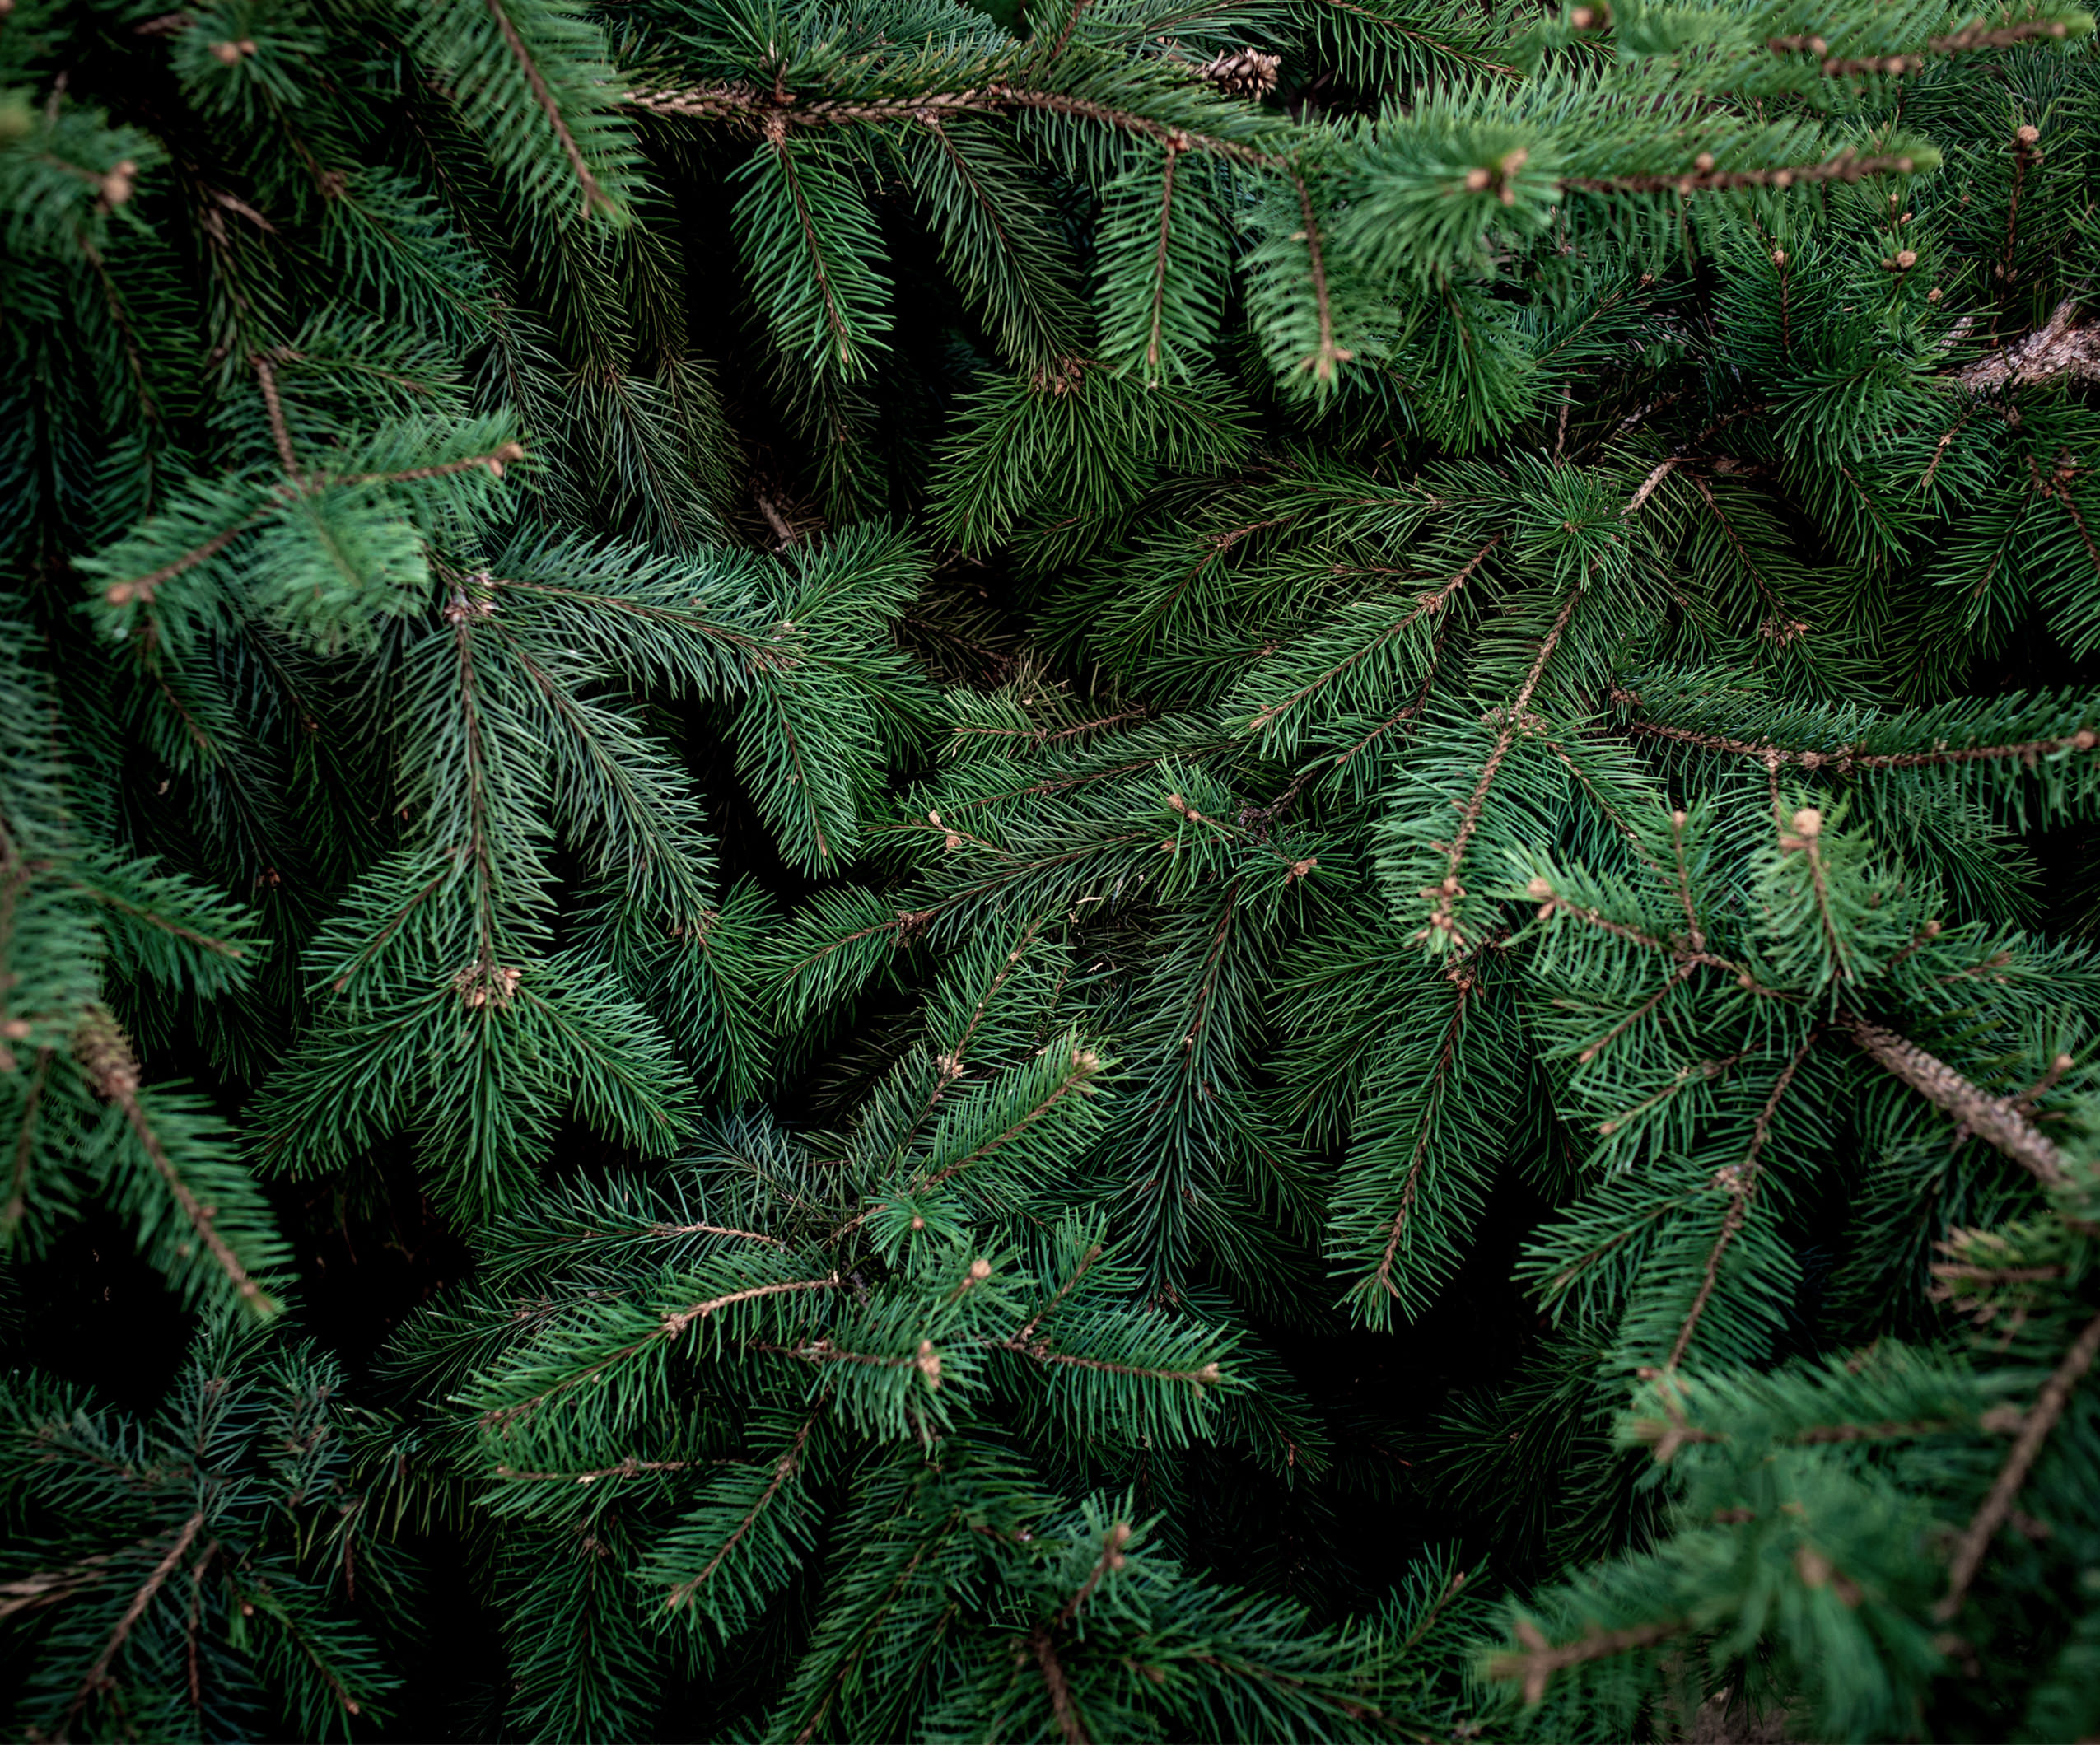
x=1427, y=604
x=1041, y=1640
x=1326, y=357
x=105, y=1056
x=1848, y=760
x=1740, y=1183
x=1439, y=1079
x=1848, y=167
x=97, y=1680
x=1385, y=22
x=1975, y=1543
x=595, y=197
x=784, y=1468
x=273, y=405
x=1541, y=1659
x=1443, y=897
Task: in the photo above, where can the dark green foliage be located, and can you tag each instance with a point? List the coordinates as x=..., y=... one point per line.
x=193, y=1575
x=1054, y=871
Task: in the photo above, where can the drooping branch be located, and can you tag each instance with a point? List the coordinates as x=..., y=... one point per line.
x=2034, y=1430
x=106, y=1057
x=595, y=198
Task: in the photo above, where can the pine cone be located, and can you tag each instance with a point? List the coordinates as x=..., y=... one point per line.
x=1245, y=72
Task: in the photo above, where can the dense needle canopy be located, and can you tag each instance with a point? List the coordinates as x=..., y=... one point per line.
x=1141, y=870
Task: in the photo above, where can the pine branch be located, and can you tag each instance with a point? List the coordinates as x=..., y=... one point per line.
x=1975, y=1543
x=107, y=1059
x=1741, y=1184
x=1541, y=1659
x=784, y=1469
x=98, y=1675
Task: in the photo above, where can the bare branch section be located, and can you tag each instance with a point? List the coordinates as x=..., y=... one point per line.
x=2065, y=344
x=1996, y=1120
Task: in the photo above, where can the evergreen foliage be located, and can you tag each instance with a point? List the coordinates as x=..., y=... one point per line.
x=977, y=741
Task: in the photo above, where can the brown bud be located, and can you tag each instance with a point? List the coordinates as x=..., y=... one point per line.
x=1782, y=179
x=980, y=1269
x=1703, y=163
x=2026, y=134
x=1906, y=259
x=1582, y=18
x=1779, y=257
x=1538, y=888
x=1808, y=824
x=1679, y=819
x=918, y=1222
x=1934, y=295
x=15, y=1029
x=1477, y=179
